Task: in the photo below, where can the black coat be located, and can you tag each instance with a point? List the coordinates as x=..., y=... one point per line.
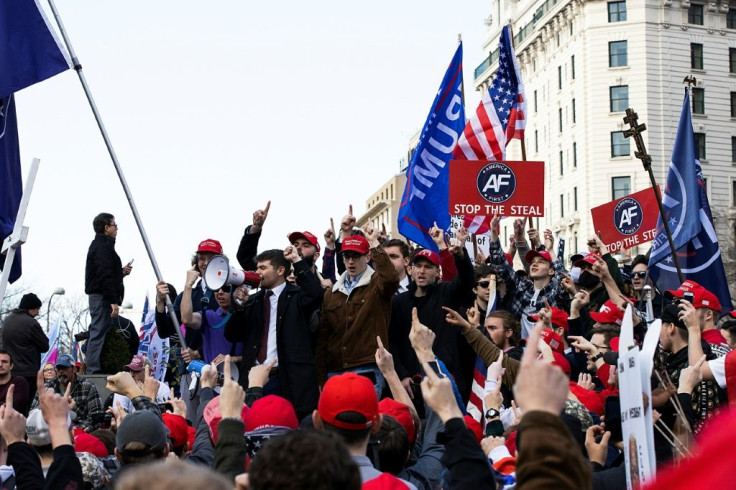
x=449, y=343
x=296, y=304
x=104, y=271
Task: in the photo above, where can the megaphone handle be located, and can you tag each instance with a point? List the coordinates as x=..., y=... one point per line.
x=172, y=315
x=239, y=302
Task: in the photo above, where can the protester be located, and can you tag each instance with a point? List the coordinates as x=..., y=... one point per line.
x=274, y=327
x=140, y=368
x=104, y=284
x=83, y=395
x=24, y=340
x=21, y=397
x=49, y=371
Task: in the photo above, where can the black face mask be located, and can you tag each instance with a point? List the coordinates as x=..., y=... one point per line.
x=588, y=280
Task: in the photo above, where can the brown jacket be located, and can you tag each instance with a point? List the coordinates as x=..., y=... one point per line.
x=548, y=455
x=349, y=324
x=488, y=351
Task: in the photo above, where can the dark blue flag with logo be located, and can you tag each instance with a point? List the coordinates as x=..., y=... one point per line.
x=11, y=186
x=688, y=214
x=425, y=198
x=29, y=49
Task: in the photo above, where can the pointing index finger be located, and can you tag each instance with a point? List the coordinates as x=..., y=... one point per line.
x=350, y=210
x=332, y=224
x=227, y=368
x=9, y=396
x=268, y=206
x=68, y=391
x=532, y=350
x=380, y=343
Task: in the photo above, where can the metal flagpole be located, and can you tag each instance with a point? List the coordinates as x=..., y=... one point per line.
x=20, y=232
x=116, y=163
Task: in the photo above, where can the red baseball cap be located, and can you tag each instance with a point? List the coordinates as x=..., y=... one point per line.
x=402, y=414
x=474, y=427
x=562, y=362
x=609, y=313
x=137, y=363
x=559, y=318
x=87, y=443
x=586, y=261
x=356, y=243
x=348, y=392
x=537, y=253
x=212, y=416
x=209, y=245
x=428, y=255
x=177, y=426
x=702, y=298
x=553, y=340
x=306, y=236
x=271, y=411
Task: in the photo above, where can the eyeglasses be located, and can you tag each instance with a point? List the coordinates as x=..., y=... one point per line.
x=49, y=370
x=639, y=274
x=113, y=224
x=483, y=284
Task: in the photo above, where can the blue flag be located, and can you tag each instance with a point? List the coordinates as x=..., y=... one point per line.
x=426, y=195
x=11, y=185
x=688, y=214
x=29, y=49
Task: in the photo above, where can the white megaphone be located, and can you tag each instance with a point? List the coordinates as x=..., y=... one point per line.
x=219, y=273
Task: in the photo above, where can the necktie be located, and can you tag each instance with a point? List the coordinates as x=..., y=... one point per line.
x=263, y=349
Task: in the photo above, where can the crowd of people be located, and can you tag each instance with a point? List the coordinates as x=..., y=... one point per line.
x=381, y=367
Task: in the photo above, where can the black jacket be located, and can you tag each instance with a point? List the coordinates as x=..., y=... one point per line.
x=23, y=338
x=104, y=273
x=293, y=337
x=449, y=340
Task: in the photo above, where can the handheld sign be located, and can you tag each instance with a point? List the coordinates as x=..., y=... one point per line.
x=503, y=188
x=627, y=221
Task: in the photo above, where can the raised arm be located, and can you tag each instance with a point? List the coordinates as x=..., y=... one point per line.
x=188, y=316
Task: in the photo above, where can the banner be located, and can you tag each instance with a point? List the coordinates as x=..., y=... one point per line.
x=153, y=346
x=503, y=188
x=627, y=221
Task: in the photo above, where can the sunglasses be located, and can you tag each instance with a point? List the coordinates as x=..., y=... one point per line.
x=639, y=274
x=351, y=256
x=483, y=284
x=227, y=288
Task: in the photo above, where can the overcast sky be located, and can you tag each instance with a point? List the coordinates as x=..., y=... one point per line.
x=215, y=108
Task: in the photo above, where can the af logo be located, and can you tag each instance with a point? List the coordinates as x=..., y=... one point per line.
x=496, y=182
x=628, y=216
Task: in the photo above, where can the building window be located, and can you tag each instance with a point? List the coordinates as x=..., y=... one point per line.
x=572, y=66
x=574, y=155
x=700, y=145
x=535, y=101
x=573, y=111
x=698, y=101
x=731, y=19
x=559, y=77
x=732, y=60
x=617, y=53
x=619, y=144
x=575, y=198
x=733, y=149
x=562, y=164
x=733, y=104
x=536, y=141
x=695, y=14
x=559, y=112
x=696, y=56
x=620, y=187
x=619, y=95
x=562, y=206
x=616, y=11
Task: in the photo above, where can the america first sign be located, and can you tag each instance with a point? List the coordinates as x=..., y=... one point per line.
x=503, y=188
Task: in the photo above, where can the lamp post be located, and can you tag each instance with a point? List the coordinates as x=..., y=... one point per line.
x=58, y=291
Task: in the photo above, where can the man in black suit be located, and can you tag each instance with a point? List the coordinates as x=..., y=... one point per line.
x=273, y=325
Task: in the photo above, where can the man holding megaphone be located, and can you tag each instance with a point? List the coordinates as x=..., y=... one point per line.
x=273, y=324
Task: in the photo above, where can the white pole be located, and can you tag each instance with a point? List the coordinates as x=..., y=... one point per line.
x=115, y=162
x=20, y=232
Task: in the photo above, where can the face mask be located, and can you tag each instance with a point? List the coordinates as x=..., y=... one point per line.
x=63, y=379
x=588, y=280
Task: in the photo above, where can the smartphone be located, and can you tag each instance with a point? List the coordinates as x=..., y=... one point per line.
x=130, y=263
x=613, y=418
x=688, y=296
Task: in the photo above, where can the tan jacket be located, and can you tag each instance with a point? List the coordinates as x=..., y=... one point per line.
x=488, y=351
x=349, y=324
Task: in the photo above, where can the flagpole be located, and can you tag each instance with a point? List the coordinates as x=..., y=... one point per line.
x=116, y=163
x=646, y=159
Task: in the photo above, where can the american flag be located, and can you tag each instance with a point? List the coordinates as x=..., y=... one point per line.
x=501, y=113
x=475, y=403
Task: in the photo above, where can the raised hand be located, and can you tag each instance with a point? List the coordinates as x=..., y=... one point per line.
x=192, y=276
x=454, y=318
x=347, y=223
x=421, y=338
x=438, y=236
x=259, y=218
x=331, y=236
x=258, y=375
x=232, y=395
x=292, y=254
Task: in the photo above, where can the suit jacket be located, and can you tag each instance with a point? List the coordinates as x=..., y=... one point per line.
x=293, y=337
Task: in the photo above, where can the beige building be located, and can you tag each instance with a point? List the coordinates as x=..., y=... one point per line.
x=584, y=62
x=382, y=208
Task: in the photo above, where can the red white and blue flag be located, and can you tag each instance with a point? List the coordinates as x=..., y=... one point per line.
x=475, y=403
x=500, y=116
x=153, y=346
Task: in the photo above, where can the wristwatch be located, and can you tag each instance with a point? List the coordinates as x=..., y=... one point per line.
x=492, y=413
x=596, y=357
